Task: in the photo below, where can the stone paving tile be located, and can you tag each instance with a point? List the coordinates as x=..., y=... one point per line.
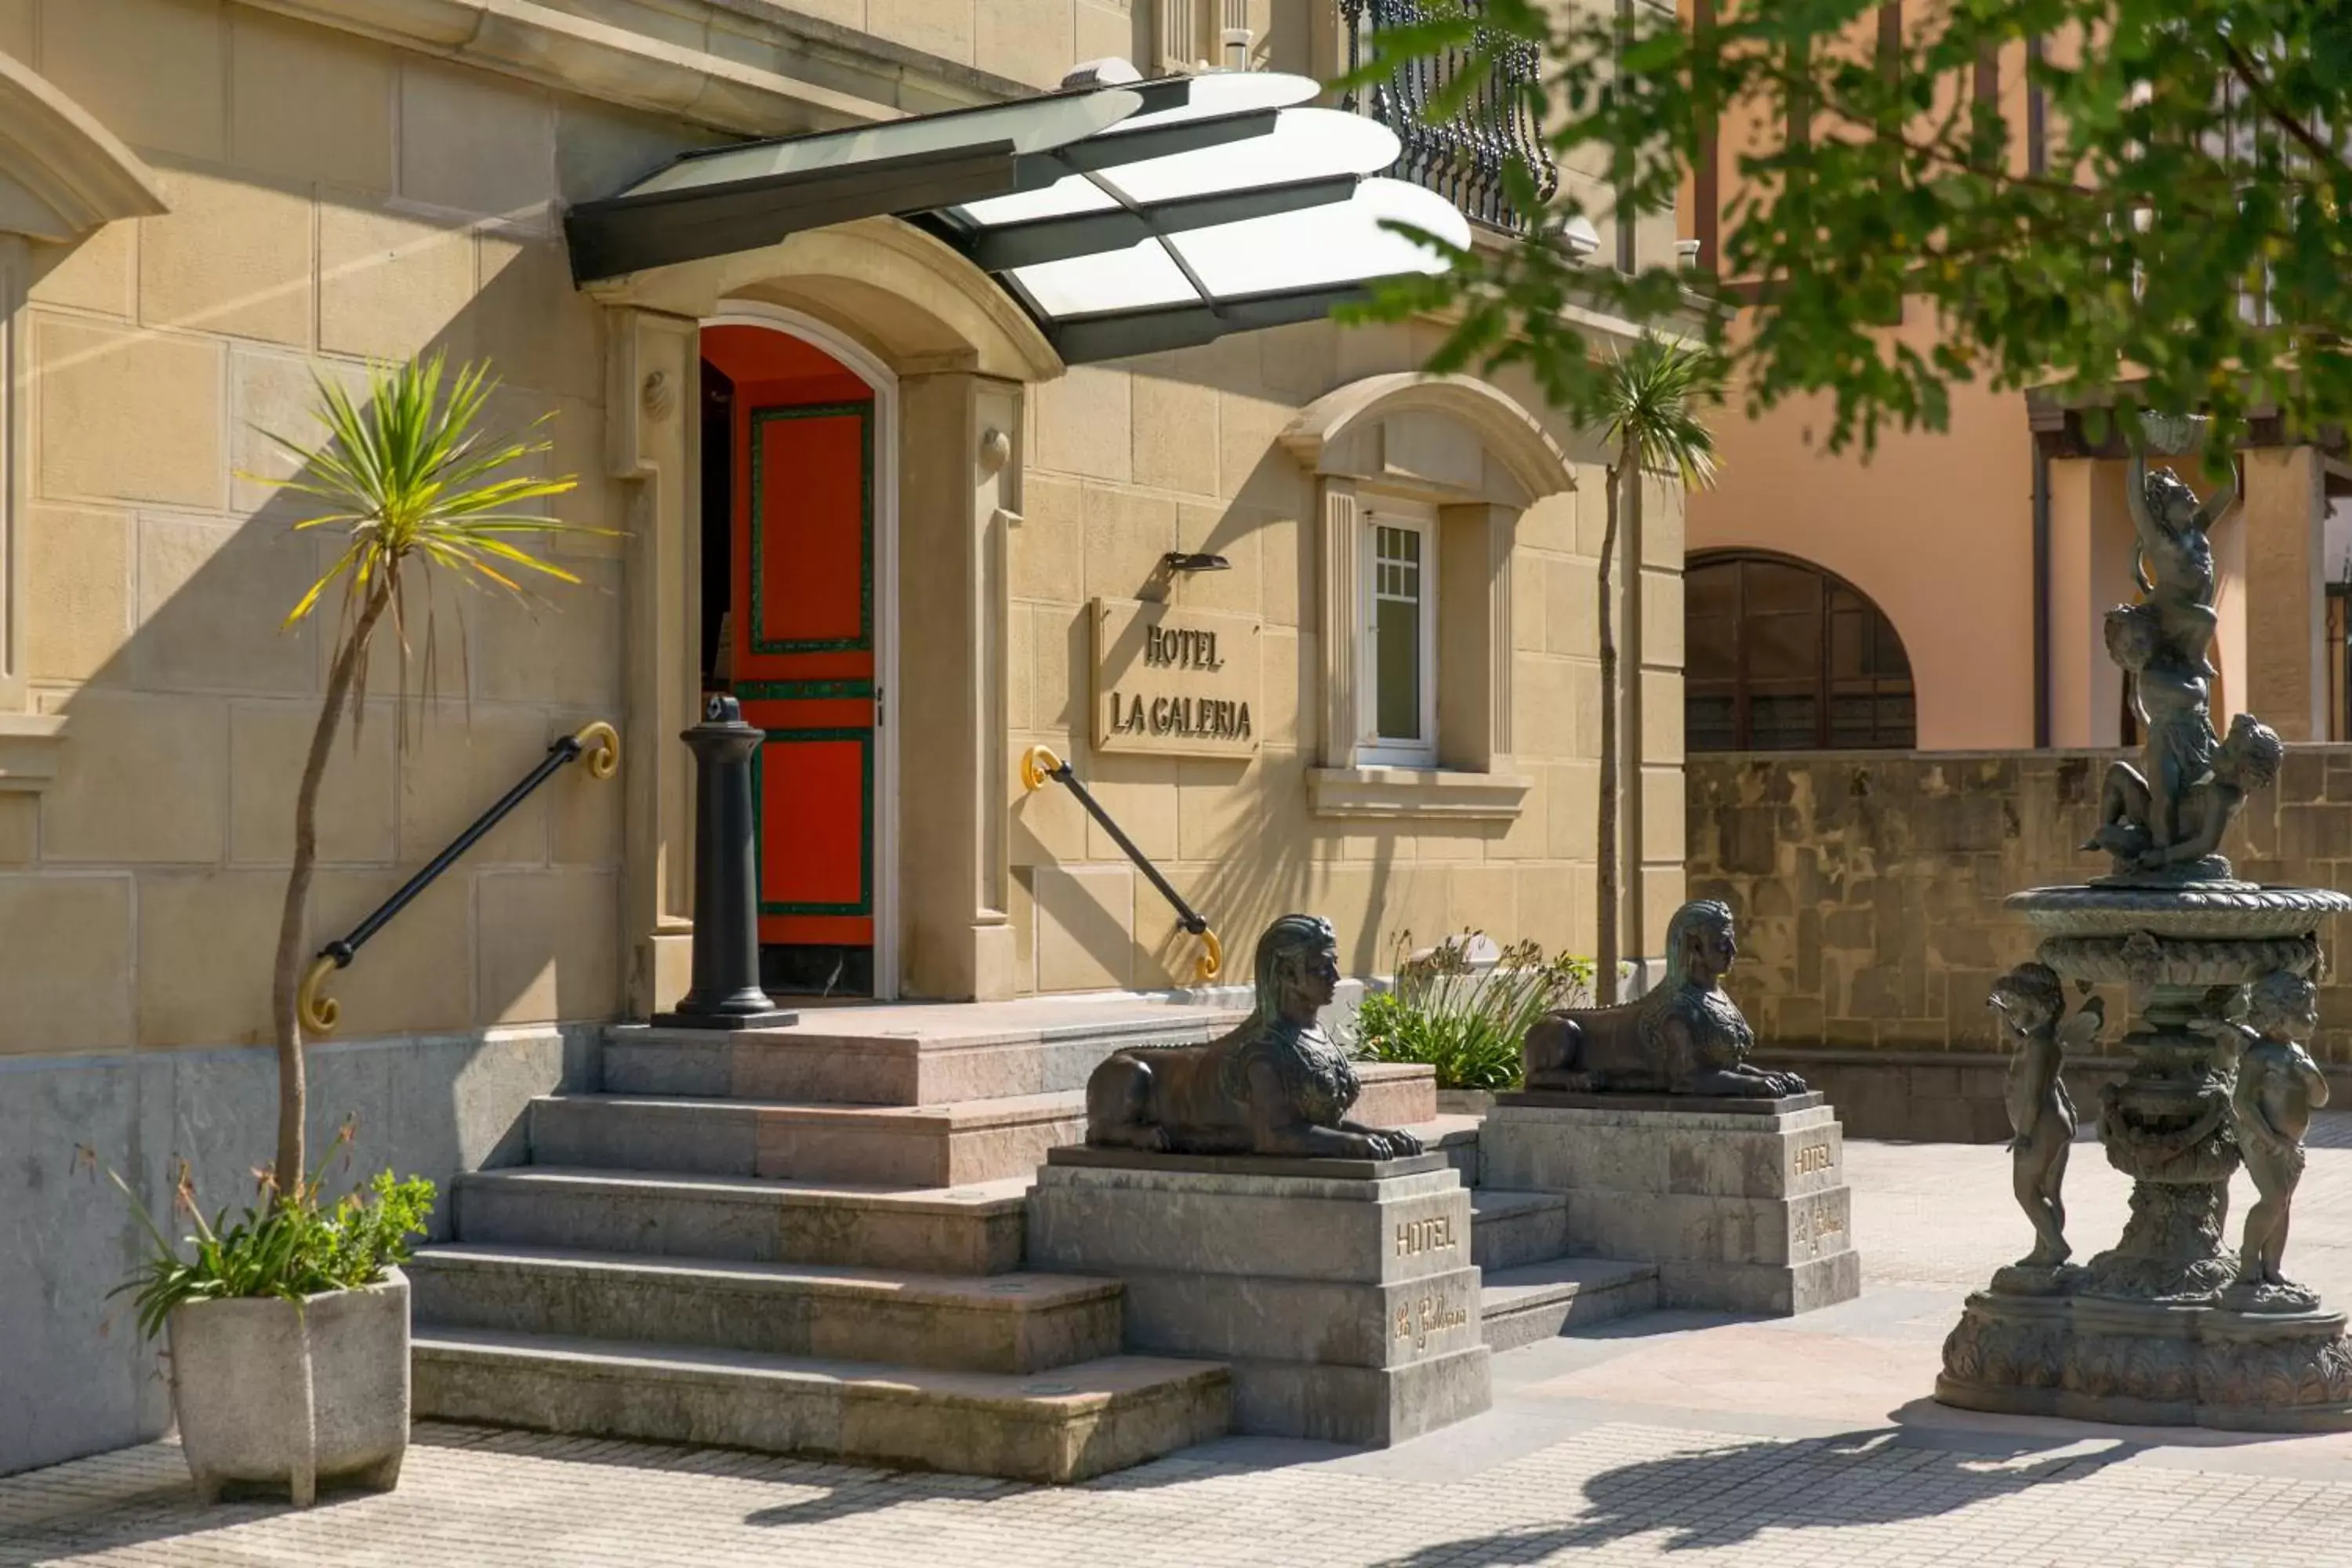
x=1676, y=1438
x=1615, y=1493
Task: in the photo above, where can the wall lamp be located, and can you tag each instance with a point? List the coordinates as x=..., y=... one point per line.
x=1193, y=560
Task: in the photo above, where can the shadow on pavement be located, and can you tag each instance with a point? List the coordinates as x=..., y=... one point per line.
x=1736, y=1491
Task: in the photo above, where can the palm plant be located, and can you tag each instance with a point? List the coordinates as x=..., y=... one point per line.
x=1646, y=403
x=415, y=484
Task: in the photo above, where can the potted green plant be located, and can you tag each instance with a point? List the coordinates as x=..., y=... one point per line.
x=288, y=1331
x=288, y=1328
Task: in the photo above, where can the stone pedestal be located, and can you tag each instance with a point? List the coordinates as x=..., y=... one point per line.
x=2156, y=1330
x=2148, y=1363
x=1339, y=1291
x=1742, y=1204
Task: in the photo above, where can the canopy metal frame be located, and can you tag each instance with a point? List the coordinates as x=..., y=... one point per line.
x=688, y=211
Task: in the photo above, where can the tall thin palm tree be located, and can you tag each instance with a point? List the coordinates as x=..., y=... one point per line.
x=413, y=483
x=1649, y=413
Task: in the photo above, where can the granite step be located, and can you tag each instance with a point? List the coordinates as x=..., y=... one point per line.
x=967, y=1229
x=1536, y=1301
x=837, y=1055
x=1004, y=1323
x=1510, y=1229
x=917, y=1146
x=1068, y=1424
x=908, y=1146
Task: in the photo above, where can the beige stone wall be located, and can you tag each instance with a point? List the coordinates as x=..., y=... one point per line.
x=332, y=201
x=1182, y=451
x=1869, y=885
x=1031, y=41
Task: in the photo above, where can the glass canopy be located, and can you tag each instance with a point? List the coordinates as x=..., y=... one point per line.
x=1125, y=219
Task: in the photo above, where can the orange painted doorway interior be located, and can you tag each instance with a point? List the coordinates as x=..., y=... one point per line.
x=802, y=627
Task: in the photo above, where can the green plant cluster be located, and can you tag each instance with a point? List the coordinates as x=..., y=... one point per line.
x=1466, y=1021
x=287, y=1249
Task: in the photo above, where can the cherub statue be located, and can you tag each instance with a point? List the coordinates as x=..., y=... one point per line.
x=2032, y=1006
x=2278, y=1087
x=2163, y=643
x=1275, y=1085
x=2248, y=760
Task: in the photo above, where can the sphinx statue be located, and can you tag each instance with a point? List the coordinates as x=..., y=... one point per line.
x=1277, y=1083
x=1687, y=1036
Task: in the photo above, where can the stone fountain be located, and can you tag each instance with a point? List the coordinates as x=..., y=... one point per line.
x=2170, y=1326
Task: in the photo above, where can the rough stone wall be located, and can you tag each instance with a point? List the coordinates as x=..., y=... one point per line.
x=1869, y=885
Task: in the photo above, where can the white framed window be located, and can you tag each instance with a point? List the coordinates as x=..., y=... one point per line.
x=1399, y=620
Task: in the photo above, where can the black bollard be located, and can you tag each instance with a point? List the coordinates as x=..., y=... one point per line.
x=725, y=993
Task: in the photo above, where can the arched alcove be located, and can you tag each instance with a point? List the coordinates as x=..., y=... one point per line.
x=1421, y=481
x=1782, y=656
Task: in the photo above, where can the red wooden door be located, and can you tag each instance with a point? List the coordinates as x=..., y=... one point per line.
x=803, y=629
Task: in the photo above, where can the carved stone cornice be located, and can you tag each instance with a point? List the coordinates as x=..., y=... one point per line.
x=62, y=174
x=814, y=75
x=29, y=744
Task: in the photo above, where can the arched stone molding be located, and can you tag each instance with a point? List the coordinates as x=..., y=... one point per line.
x=1455, y=436
x=1479, y=459
x=62, y=175
x=913, y=302
x=962, y=354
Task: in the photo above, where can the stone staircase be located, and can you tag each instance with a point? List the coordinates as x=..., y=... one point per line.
x=810, y=1240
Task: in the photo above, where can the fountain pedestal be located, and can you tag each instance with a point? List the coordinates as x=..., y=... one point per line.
x=2156, y=1330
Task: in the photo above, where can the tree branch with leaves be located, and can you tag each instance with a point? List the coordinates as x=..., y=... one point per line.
x=2183, y=243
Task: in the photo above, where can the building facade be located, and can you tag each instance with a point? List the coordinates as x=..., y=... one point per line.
x=844, y=476
x=2011, y=502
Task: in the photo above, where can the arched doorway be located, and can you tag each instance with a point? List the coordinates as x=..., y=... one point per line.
x=798, y=541
x=1781, y=656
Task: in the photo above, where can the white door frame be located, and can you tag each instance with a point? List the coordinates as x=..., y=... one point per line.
x=885, y=805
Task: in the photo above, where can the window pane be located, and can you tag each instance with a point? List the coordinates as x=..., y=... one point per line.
x=1710, y=647
x=1848, y=645
x=1397, y=609
x=1398, y=678
x=1890, y=659
x=1711, y=591
x=1784, y=648
x=1707, y=724
x=1852, y=719
x=1774, y=589
x=1781, y=724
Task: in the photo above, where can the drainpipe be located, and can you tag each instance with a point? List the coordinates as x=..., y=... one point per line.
x=2037, y=162
x=1634, y=938
x=2041, y=593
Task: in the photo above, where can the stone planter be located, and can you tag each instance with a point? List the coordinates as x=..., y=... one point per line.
x=269, y=1391
x=1464, y=1102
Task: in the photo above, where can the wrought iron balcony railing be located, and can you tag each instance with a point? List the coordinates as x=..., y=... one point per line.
x=1462, y=158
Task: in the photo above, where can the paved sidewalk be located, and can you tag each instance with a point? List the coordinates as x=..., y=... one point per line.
x=1673, y=1439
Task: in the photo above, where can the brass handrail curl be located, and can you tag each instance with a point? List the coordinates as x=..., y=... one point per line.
x=1213, y=958
x=319, y=1013
x=1038, y=764
x=602, y=744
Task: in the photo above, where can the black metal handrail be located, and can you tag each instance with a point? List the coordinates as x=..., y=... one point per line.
x=1462, y=158
x=320, y=1012
x=1038, y=764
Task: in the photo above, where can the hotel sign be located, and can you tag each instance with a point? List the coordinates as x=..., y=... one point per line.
x=1173, y=682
